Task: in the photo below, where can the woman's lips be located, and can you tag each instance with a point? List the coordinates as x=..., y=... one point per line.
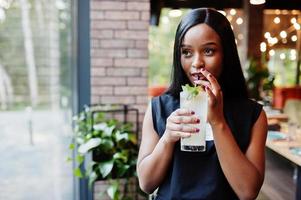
x=198, y=76
x=199, y=79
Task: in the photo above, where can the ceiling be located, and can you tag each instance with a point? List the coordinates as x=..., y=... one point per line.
x=157, y=5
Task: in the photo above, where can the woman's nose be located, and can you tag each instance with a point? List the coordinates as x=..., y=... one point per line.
x=198, y=63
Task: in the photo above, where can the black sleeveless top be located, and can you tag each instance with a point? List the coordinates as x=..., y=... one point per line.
x=198, y=175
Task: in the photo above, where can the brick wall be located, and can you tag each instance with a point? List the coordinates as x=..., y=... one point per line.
x=119, y=52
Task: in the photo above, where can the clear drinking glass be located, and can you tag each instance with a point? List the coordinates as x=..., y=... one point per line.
x=199, y=104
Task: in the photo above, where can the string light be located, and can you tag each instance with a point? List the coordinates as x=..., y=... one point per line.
x=277, y=12
x=282, y=56
x=272, y=41
x=257, y=2
x=283, y=34
x=294, y=38
x=263, y=47
x=232, y=12
x=239, y=21
x=297, y=26
x=272, y=52
x=267, y=35
x=293, y=54
x=276, y=20
x=293, y=57
x=284, y=40
x=240, y=36
x=293, y=20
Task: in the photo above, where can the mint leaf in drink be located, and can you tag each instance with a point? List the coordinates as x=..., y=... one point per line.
x=192, y=91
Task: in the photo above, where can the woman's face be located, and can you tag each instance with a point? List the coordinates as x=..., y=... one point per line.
x=201, y=48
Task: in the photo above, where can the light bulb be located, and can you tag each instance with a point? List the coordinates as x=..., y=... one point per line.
x=276, y=20
x=257, y=2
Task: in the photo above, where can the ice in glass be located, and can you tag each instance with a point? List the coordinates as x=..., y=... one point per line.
x=195, y=99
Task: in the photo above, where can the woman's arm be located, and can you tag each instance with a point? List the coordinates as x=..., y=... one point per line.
x=244, y=172
x=154, y=156
x=156, y=153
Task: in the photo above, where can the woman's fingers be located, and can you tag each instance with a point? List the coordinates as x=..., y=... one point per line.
x=185, y=119
x=211, y=96
x=183, y=112
x=213, y=82
x=180, y=134
x=182, y=128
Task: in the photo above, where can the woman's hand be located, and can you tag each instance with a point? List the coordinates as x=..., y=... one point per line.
x=215, y=99
x=177, y=125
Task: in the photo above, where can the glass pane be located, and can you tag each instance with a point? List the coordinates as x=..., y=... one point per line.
x=35, y=99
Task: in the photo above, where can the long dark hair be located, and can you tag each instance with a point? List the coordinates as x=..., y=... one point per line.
x=231, y=79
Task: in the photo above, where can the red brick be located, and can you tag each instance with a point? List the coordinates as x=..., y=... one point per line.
x=108, y=81
x=138, y=5
x=117, y=43
x=141, y=107
x=130, y=90
x=137, y=81
x=106, y=62
x=116, y=71
x=138, y=35
x=142, y=99
x=137, y=53
x=122, y=15
x=98, y=71
x=138, y=25
x=109, y=53
x=97, y=15
x=95, y=43
x=127, y=62
x=143, y=44
x=95, y=99
x=118, y=99
x=102, y=90
x=107, y=5
x=145, y=15
x=99, y=34
x=108, y=24
x=144, y=72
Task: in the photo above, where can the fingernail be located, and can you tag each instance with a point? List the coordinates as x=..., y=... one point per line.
x=192, y=112
x=210, y=75
x=197, y=130
x=198, y=121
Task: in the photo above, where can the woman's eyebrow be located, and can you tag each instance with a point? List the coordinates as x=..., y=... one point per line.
x=205, y=44
x=185, y=45
x=210, y=43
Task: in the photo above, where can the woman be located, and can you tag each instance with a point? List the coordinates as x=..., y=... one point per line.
x=232, y=167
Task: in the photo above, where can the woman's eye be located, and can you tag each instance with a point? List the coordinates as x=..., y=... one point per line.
x=208, y=51
x=186, y=53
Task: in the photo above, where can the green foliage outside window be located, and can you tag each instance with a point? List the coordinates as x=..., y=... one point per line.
x=161, y=41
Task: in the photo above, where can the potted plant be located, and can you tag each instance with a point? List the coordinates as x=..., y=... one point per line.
x=113, y=146
x=259, y=80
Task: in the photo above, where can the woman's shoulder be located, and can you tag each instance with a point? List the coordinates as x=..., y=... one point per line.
x=165, y=98
x=243, y=102
x=164, y=103
x=243, y=108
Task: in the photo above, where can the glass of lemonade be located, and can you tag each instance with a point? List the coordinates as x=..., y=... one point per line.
x=199, y=104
